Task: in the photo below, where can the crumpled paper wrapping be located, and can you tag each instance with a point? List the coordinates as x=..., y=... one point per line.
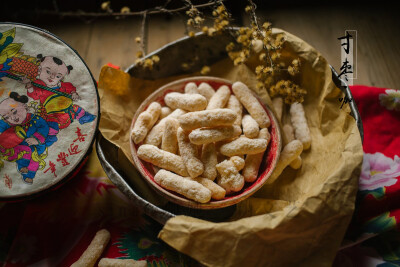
x=301, y=218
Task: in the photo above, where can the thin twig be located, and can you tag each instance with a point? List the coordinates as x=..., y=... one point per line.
x=143, y=33
x=156, y=10
x=253, y=18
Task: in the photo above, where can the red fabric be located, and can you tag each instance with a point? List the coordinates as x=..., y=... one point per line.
x=42, y=95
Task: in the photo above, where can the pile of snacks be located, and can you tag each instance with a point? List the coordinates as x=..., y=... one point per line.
x=207, y=142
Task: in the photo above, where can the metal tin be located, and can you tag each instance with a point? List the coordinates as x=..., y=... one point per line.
x=49, y=111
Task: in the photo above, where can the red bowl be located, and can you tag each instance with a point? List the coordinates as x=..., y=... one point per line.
x=268, y=164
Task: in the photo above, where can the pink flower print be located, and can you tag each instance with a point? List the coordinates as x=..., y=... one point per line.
x=390, y=100
x=378, y=171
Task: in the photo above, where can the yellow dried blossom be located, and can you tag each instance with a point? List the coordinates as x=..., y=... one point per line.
x=259, y=69
x=230, y=47
x=290, y=91
x=214, y=13
x=190, y=22
x=248, y=9
x=125, y=10
x=260, y=85
x=262, y=57
x=204, y=29
x=155, y=58
x=139, y=54
x=211, y=31
x=205, y=70
x=191, y=34
x=266, y=25
x=139, y=61
x=105, y=5
x=148, y=63
x=138, y=39
x=198, y=20
x=220, y=9
x=268, y=70
x=291, y=71
x=275, y=56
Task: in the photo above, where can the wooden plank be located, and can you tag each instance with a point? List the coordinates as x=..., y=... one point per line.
x=378, y=38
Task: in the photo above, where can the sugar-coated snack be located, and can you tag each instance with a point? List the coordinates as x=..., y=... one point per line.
x=169, y=140
x=244, y=145
x=209, y=159
x=234, y=104
x=165, y=111
x=207, y=118
x=250, y=126
x=189, y=102
x=202, y=136
x=217, y=192
x=288, y=136
x=250, y=102
x=300, y=126
x=189, y=153
x=220, y=98
x=191, y=88
x=290, y=152
x=109, y=262
x=253, y=162
x=184, y=186
x=230, y=179
x=141, y=127
x=155, y=110
x=206, y=90
x=162, y=159
x=94, y=250
x=238, y=162
x=277, y=102
x=154, y=137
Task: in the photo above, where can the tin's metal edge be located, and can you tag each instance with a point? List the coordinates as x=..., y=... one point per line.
x=353, y=106
x=79, y=166
x=148, y=208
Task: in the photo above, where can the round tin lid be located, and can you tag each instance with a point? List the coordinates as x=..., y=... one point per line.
x=49, y=110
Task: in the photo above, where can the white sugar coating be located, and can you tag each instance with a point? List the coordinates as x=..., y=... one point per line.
x=189, y=102
x=155, y=135
x=234, y=104
x=230, y=179
x=189, y=153
x=243, y=145
x=207, y=118
x=208, y=135
x=287, y=133
x=220, y=98
x=277, y=102
x=191, y=88
x=300, y=126
x=206, y=90
x=209, y=159
x=165, y=111
x=141, y=127
x=238, y=162
x=253, y=162
x=162, y=159
x=289, y=153
x=250, y=126
x=250, y=102
x=155, y=110
x=217, y=192
x=184, y=186
x=169, y=140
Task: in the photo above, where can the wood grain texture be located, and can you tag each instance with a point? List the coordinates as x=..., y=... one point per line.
x=378, y=50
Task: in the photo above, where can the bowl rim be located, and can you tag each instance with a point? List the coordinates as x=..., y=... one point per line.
x=177, y=198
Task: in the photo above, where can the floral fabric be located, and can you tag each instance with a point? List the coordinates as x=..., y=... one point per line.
x=373, y=238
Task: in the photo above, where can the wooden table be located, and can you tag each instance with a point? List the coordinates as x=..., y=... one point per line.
x=378, y=52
